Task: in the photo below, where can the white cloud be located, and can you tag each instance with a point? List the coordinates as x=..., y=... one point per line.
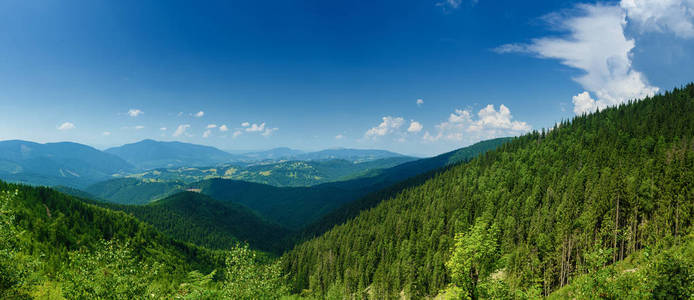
x=255, y=127
x=133, y=112
x=597, y=45
x=66, y=126
x=490, y=123
x=223, y=128
x=584, y=103
x=451, y=3
x=181, y=129
x=676, y=16
x=199, y=114
x=162, y=128
x=207, y=133
x=106, y=133
x=420, y=102
x=511, y=48
x=245, y=124
x=211, y=126
x=269, y=131
x=389, y=125
x=339, y=137
x=415, y=127
x=237, y=133
x=138, y=127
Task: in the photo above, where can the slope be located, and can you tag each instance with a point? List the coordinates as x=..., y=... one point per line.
x=535, y=210
x=201, y=220
x=54, y=227
x=386, y=183
x=133, y=191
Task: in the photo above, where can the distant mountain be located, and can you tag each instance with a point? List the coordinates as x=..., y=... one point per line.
x=197, y=218
x=347, y=154
x=64, y=163
x=273, y=154
x=150, y=154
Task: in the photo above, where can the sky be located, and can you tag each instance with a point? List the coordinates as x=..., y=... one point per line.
x=417, y=77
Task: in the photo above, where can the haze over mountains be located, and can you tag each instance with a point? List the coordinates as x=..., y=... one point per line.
x=77, y=165
x=57, y=163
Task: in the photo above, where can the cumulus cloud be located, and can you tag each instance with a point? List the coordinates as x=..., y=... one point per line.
x=237, y=133
x=133, y=112
x=207, y=133
x=596, y=44
x=414, y=127
x=388, y=125
x=245, y=124
x=420, y=102
x=255, y=127
x=269, y=131
x=199, y=114
x=461, y=125
x=676, y=16
x=223, y=128
x=181, y=130
x=583, y=103
x=162, y=128
x=210, y=126
x=66, y=126
x=339, y=137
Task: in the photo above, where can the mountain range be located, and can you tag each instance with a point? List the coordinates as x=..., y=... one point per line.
x=77, y=165
x=292, y=207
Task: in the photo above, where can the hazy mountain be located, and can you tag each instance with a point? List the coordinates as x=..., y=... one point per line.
x=347, y=154
x=273, y=154
x=64, y=163
x=282, y=173
x=150, y=154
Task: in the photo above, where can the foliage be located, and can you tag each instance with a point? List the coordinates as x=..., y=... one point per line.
x=248, y=278
x=474, y=256
x=662, y=274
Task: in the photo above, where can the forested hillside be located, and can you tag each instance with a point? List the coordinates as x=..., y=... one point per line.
x=133, y=191
x=201, y=220
x=54, y=246
x=527, y=218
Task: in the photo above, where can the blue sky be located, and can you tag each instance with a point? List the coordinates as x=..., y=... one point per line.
x=321, y=74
